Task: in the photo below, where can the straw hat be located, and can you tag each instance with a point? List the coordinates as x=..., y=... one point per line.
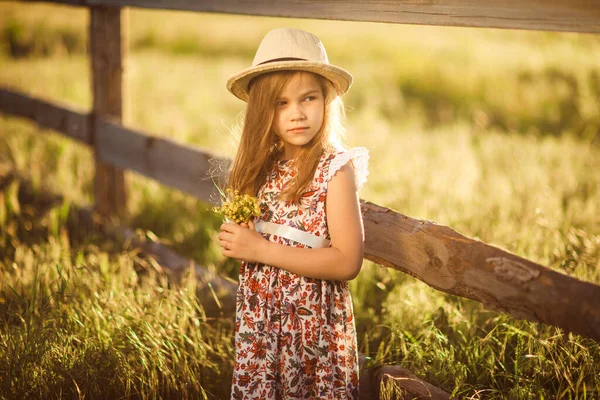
x=289, y=49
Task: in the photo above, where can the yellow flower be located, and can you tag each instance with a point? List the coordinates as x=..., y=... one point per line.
x=239, y=208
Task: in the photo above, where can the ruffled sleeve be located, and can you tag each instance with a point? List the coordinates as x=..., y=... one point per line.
x=360, y=160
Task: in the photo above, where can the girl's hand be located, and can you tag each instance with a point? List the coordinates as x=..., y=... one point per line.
x=241, y=242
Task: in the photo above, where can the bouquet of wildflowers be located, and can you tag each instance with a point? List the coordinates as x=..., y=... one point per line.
x=238, y=208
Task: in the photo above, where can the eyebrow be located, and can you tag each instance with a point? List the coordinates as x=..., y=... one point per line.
x=302, y=95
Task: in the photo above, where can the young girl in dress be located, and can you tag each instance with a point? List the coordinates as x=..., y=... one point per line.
x=295, y=334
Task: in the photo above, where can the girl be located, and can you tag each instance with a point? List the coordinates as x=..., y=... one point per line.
x=295, y=335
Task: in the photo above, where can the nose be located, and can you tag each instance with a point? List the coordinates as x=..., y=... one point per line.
x=297, y=112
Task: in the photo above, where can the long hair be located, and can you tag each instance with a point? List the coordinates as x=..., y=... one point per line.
x=260, y=146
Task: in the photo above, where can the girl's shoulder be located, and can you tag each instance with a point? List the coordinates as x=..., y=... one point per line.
x=332, y=160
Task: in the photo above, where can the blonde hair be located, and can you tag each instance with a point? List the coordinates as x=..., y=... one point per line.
x=260, y=146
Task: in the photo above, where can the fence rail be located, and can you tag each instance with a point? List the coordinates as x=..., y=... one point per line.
x=552, y=15
x=435, y=254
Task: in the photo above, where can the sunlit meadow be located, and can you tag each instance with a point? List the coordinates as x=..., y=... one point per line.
x=491, y=132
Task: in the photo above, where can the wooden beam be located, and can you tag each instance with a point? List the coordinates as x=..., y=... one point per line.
x=217, y=294
x=107, y=56
x=550, y=15
x=395, y=382
x=435, y=254
x=455, y=264
x=182, y=167
x=55, y=116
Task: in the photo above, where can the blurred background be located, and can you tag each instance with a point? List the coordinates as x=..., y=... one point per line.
x=494, y=133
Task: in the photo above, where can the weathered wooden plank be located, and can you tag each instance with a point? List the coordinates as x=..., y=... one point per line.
x=49, y=115
x=69, y=2
x=552, y=15
x=395, y=382
x=216, y=293
x=182, y=167
x=504, y=282
x=186, y=168
x=107, y=55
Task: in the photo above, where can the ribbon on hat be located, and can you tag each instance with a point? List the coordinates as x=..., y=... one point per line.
x=291, y=233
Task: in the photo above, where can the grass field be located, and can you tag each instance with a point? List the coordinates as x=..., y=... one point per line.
x=493, y=133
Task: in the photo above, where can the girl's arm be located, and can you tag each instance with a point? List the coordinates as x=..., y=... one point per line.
x=341, y=261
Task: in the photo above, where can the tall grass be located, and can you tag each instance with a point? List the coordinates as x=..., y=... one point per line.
x=487, y=131
x=86, y=322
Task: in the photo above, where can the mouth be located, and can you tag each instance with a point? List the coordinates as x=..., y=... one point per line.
x=298, y=130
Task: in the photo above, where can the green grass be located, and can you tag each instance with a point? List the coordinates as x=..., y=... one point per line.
x=489, y=132
x=85, y=323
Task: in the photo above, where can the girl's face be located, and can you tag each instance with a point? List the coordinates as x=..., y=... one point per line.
x=299, y=112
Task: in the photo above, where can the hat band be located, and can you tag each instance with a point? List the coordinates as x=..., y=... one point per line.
x=282, y=59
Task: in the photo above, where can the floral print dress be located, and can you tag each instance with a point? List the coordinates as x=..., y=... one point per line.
x=295, y=336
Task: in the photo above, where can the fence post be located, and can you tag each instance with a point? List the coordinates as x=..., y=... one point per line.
x=107, y=53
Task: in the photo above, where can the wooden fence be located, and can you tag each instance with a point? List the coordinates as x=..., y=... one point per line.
x=435, y=254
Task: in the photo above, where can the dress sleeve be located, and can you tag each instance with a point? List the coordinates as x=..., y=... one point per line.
x=360, y=159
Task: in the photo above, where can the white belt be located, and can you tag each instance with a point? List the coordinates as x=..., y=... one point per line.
x=294, y=234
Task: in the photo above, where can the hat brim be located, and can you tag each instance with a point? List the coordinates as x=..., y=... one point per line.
x=340, y=78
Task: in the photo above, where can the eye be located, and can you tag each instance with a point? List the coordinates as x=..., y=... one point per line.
x=280, y=103
x=309, y=98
